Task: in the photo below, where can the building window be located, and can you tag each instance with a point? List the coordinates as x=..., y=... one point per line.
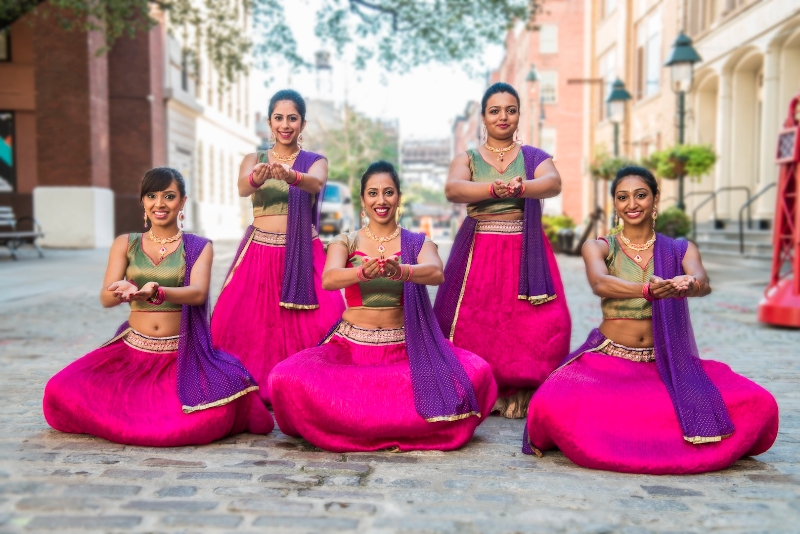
x=548, y=39
x=548, y=85
x=5, y=44
x=648, y=55
x=8, y=170
x=548, y=141
x=608, y=7
x=184, y=71
x=200, y=175
x=607, y=66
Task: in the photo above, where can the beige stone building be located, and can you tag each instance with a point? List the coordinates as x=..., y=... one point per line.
x=750, y=68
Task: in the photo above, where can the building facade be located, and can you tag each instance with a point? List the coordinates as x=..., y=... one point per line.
x=425, y=162
x=80, y=129
x=552, y=104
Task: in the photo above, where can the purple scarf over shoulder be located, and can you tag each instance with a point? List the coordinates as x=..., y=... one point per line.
x=297, y=289
x=207, y=377
x=698, y=403
x=442, y=388
x=535, y=283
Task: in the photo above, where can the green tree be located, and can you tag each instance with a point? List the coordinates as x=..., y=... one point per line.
x=358, y=142
x=395, y=34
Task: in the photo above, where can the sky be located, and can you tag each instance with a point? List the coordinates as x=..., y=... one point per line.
x=425, y=100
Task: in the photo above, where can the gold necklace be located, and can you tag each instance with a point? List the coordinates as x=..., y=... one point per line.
x=636, y=246
x=290, y=157
x=501, y=152
x=163, y=250
x=382, y=240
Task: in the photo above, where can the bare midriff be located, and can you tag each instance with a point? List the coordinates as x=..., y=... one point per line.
x=374, y=318
x=516, y=216
x=634, y=333
x=271, y=223
x=156, y=324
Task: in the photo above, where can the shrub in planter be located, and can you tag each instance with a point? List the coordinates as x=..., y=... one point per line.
x=693, y=161
x=673, y=222
x=605, y=167
x=552, y=224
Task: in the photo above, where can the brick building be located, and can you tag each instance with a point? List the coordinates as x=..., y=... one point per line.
x=552, y=107
x=80, y=129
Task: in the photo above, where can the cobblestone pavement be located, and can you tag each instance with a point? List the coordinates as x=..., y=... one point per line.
x=49, y=316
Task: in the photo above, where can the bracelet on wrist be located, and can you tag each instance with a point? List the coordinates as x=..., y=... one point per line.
x=410, y=273
x=360, y=274
x=520, y=191
x=492, y=192
x=646, y=293
x=252, y=181
x=398, y=276
x=298, y=178
x=159, y=297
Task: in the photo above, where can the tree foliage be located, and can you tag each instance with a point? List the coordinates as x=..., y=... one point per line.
x=394, y=34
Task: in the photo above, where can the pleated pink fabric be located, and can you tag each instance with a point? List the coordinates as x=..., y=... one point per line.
x=129, y=396
x=609, y=413
x=345, y=397
x=523, y=343
x=248, y=321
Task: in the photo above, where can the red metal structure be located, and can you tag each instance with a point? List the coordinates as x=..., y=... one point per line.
x=781, y=303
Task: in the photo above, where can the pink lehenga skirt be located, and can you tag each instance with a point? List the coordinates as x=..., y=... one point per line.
x=126, y=392
x=523, y=343
x=354, y=393
x=608, y=412
x=248, y=320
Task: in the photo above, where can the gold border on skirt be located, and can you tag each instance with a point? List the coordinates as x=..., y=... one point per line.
x=221, y=402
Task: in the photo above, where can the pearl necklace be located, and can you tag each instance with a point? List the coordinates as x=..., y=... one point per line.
x=290, y=157
x=163, y=250
x=636, y=246
x=382, y=240
x=501, y=152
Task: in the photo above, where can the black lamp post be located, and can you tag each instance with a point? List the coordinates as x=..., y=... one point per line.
x=681, y=63
x=616, y=109
x=533, y=77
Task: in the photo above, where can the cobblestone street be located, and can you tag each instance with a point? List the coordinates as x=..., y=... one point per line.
x=49, y=481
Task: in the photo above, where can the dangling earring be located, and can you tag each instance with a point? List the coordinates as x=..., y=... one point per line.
x=616, y=219
x=364, y=219
x=300, y=140
x=272, y=139
x=145, y=219
x=655, y=216
x=516, y=136
x=484, y=135
x=181, y=217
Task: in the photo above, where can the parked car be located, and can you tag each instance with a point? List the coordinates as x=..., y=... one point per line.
x=337, y=213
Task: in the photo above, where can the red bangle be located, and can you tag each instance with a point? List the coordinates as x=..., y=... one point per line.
x=491, y=191
x=253, y=182
x=298, y=178
x=410, y=273
x=160, y=297
x=398, y=276
x=520, y=191
x=646, y=293
x=360, y=274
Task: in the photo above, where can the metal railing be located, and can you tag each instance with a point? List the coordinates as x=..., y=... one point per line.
x=747, y=204
x=713, y=196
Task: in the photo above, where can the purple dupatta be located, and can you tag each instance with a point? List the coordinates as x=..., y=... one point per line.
x=206, y=377
x=698, y=403
x=535, y=282
x=442, y=388
x=297, y=288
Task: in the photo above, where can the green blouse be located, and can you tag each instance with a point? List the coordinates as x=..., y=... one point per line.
x=272, y=198
x=483, y=172
x=623, y=266
x=170, y=272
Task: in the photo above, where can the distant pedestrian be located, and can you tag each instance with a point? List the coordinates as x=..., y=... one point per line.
x=502, y=298
x=272, y=303
x=158, y=382
x=636, y=397
x=385, y=378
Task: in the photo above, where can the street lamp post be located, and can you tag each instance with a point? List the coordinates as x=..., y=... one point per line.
x=616, y=109
x=533, y=77
x=681, y=63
